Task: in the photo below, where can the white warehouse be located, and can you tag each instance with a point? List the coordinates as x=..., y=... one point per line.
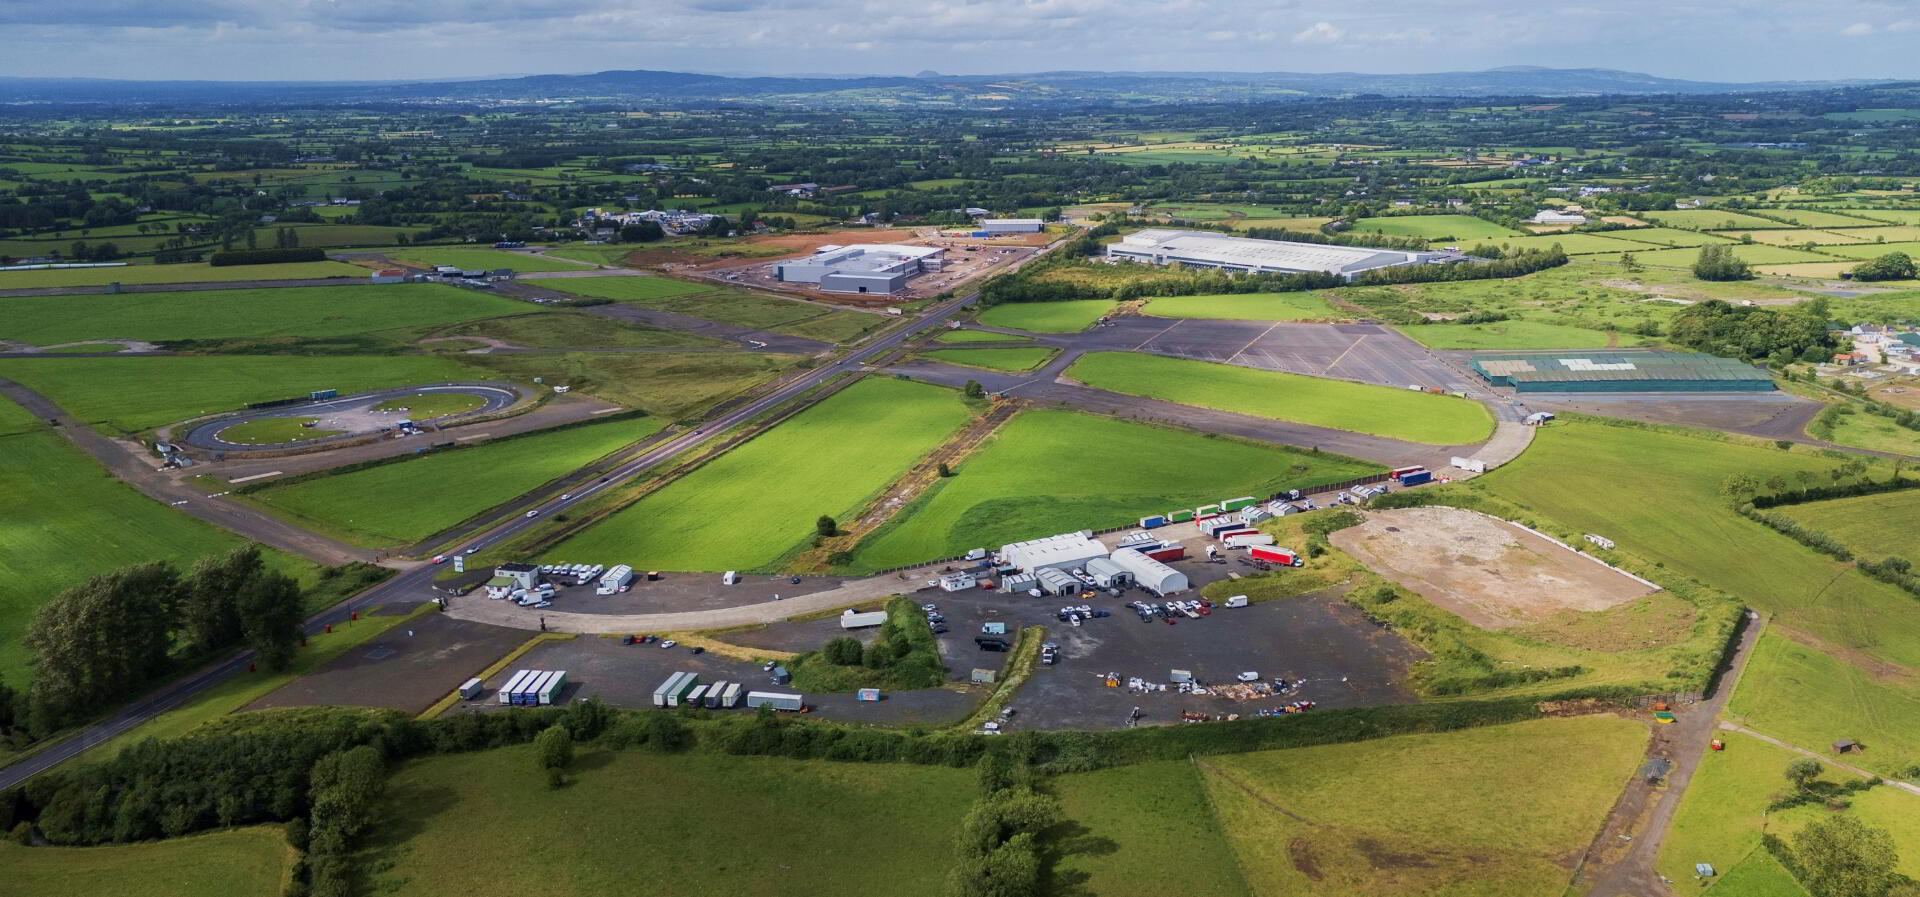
x=1152, y=575
x=1202, y=249
x=872, y=268
x=1013, y=225
x=1064, y=551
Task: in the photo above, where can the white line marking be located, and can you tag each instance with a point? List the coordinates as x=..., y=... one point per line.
x=474, y=436
x=604, y=411
x=1250, y=342
x=258, y=476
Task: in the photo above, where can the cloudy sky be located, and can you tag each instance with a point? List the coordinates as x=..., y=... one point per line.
x=1744, y=40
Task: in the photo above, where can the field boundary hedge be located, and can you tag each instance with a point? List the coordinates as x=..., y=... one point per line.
x=232, y=257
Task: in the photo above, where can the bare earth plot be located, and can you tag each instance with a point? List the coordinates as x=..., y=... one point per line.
x=1493, y=574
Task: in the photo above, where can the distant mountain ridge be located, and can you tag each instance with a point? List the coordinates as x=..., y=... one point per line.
x=927, y=88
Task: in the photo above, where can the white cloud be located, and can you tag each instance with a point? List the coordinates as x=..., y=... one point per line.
x=1857, y=29
x=1320, y=33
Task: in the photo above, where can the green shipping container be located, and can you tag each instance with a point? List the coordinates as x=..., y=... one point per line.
x=1235, y=504
x=1180, y=517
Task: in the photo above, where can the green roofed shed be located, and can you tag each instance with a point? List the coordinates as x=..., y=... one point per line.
x=1573, y=371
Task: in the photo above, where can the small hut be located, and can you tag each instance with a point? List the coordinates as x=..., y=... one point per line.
x=1847, y=746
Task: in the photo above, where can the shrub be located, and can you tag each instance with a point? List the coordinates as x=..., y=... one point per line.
x=266, y=256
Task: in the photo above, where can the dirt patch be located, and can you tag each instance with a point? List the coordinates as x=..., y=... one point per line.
x=1301, y=853
x=1492, y=573
x=1661, y=618
x=1380, y=857
x=1580, y=707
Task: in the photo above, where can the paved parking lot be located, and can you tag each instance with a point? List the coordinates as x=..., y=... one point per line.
x=678, y=592
x=626, y=675
x=408, y=668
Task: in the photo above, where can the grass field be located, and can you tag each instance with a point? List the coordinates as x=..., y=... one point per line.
x=1812, y=218
x=1667, y=236
x=718, y=827
x=1810, y=698
x=187, y=273
x=1710, y=219
x=1613, y=242
x=1047, y=317
x=1147, y=813
x=1414, y=814
x=432, y=405
x=1672, y=513
x=208, y=314
x=560, y=329
x=472, y=258
x=669, y=385
x=1048, y=472
x=1751, y=253
x=63, y=519
x=1864, y=251
x=1724, y=813
x=1810, y=269
x=1359, y=407
x=1793, y=237
x=137, y=393
x=406, y=501
x=1870, y=525
x=1246, y=307
x=977, y=336
x=1876, y=433
x=272, y=430
x=726, y=305
x=1464, y=228
x=1015, y=360
x=828, y=460
x=246, y=861
x=1505, y=335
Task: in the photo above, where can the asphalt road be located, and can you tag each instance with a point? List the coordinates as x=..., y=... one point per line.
x=498, y=397
x=409, y=583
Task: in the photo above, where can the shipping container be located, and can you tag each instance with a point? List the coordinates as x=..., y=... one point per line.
x=471, y=689
x=1235, y=504
x=697, y=697
x=1415, y=479
x=531, y=690
x=1399, y=472
x=1245, y=540
x=1167, y=553
x=1226, y=535
x=1206, y=510
x=731, y=696
x=1179, y=516
x=1273, y=554
x=714, y=691
x=1152, y=522
x=680, y=692
x=774, y=699
x=550, y=692
x=513, y=682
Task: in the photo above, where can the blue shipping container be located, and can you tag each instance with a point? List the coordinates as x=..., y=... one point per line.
x=981, y=233
x=1151, y=522
x=1415, y=479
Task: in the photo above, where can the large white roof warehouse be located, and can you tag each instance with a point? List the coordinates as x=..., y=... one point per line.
x=1202, y=249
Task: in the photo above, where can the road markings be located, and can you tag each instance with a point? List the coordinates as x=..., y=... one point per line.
x=468, y=438
x=257, y=476
x=605, y=411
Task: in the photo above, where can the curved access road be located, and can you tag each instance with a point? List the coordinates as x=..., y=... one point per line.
x=206, y=434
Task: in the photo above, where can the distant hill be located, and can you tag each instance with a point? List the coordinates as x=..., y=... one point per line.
x=1037, y=88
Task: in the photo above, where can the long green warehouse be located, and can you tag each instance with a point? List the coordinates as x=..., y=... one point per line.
x=1547, y=372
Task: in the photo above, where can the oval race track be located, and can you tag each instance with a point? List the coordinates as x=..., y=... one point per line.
x=205, y=435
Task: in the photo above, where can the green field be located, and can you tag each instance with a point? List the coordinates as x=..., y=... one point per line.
x=1047, y=472
x=1808, y=698
x=432, y=405
x=752, y=505
x=1813, y=218
x=561, y=329
x=1504, y=335
x=1724, y=813
x=244, y=862
x=406, y=501
x=1338, y=404
x=1876, y=433
x=186, y=273
x=1667, y=236
x=1673, y=513
x=1246, y=307
x=1014, y=360
x=1751, y=253
x=669, y=385
x=977, y=336
x=1709, y=219
x=1864, y=251
x=274, y=430
x=1871, y=525
x=1478, y=813
x=1795, y=237
x=64, y=519
x=1613, y=242
x=731, y=306
x=139, y=392
x=1047, y=317
x=1147, y=813
x=208, y=314
x=484, y=259
x=1464, y=228
x=685, y=826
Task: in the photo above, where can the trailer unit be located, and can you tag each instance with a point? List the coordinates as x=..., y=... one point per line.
x=1166, y=553
x=513, y=683
x=776, y=700
x=1274, y=554
x=1248, y=540
x=1179, y=516
x=714, y=691
x=1153, y=521
x=666, y=688
x=550, y=692
x=1235, y=504
x=697, y=696
x=730, y=697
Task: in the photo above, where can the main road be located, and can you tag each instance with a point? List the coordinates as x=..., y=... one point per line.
x=411, y=582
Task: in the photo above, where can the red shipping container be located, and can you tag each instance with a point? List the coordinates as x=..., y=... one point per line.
x=1273, y=555
x=1170, y=553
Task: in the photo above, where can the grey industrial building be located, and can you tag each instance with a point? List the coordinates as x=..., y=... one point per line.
x=873, y=268
x=1012, y=225
x=1203, y=249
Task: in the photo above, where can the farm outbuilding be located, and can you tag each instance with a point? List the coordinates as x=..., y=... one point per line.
x=1574, y=372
